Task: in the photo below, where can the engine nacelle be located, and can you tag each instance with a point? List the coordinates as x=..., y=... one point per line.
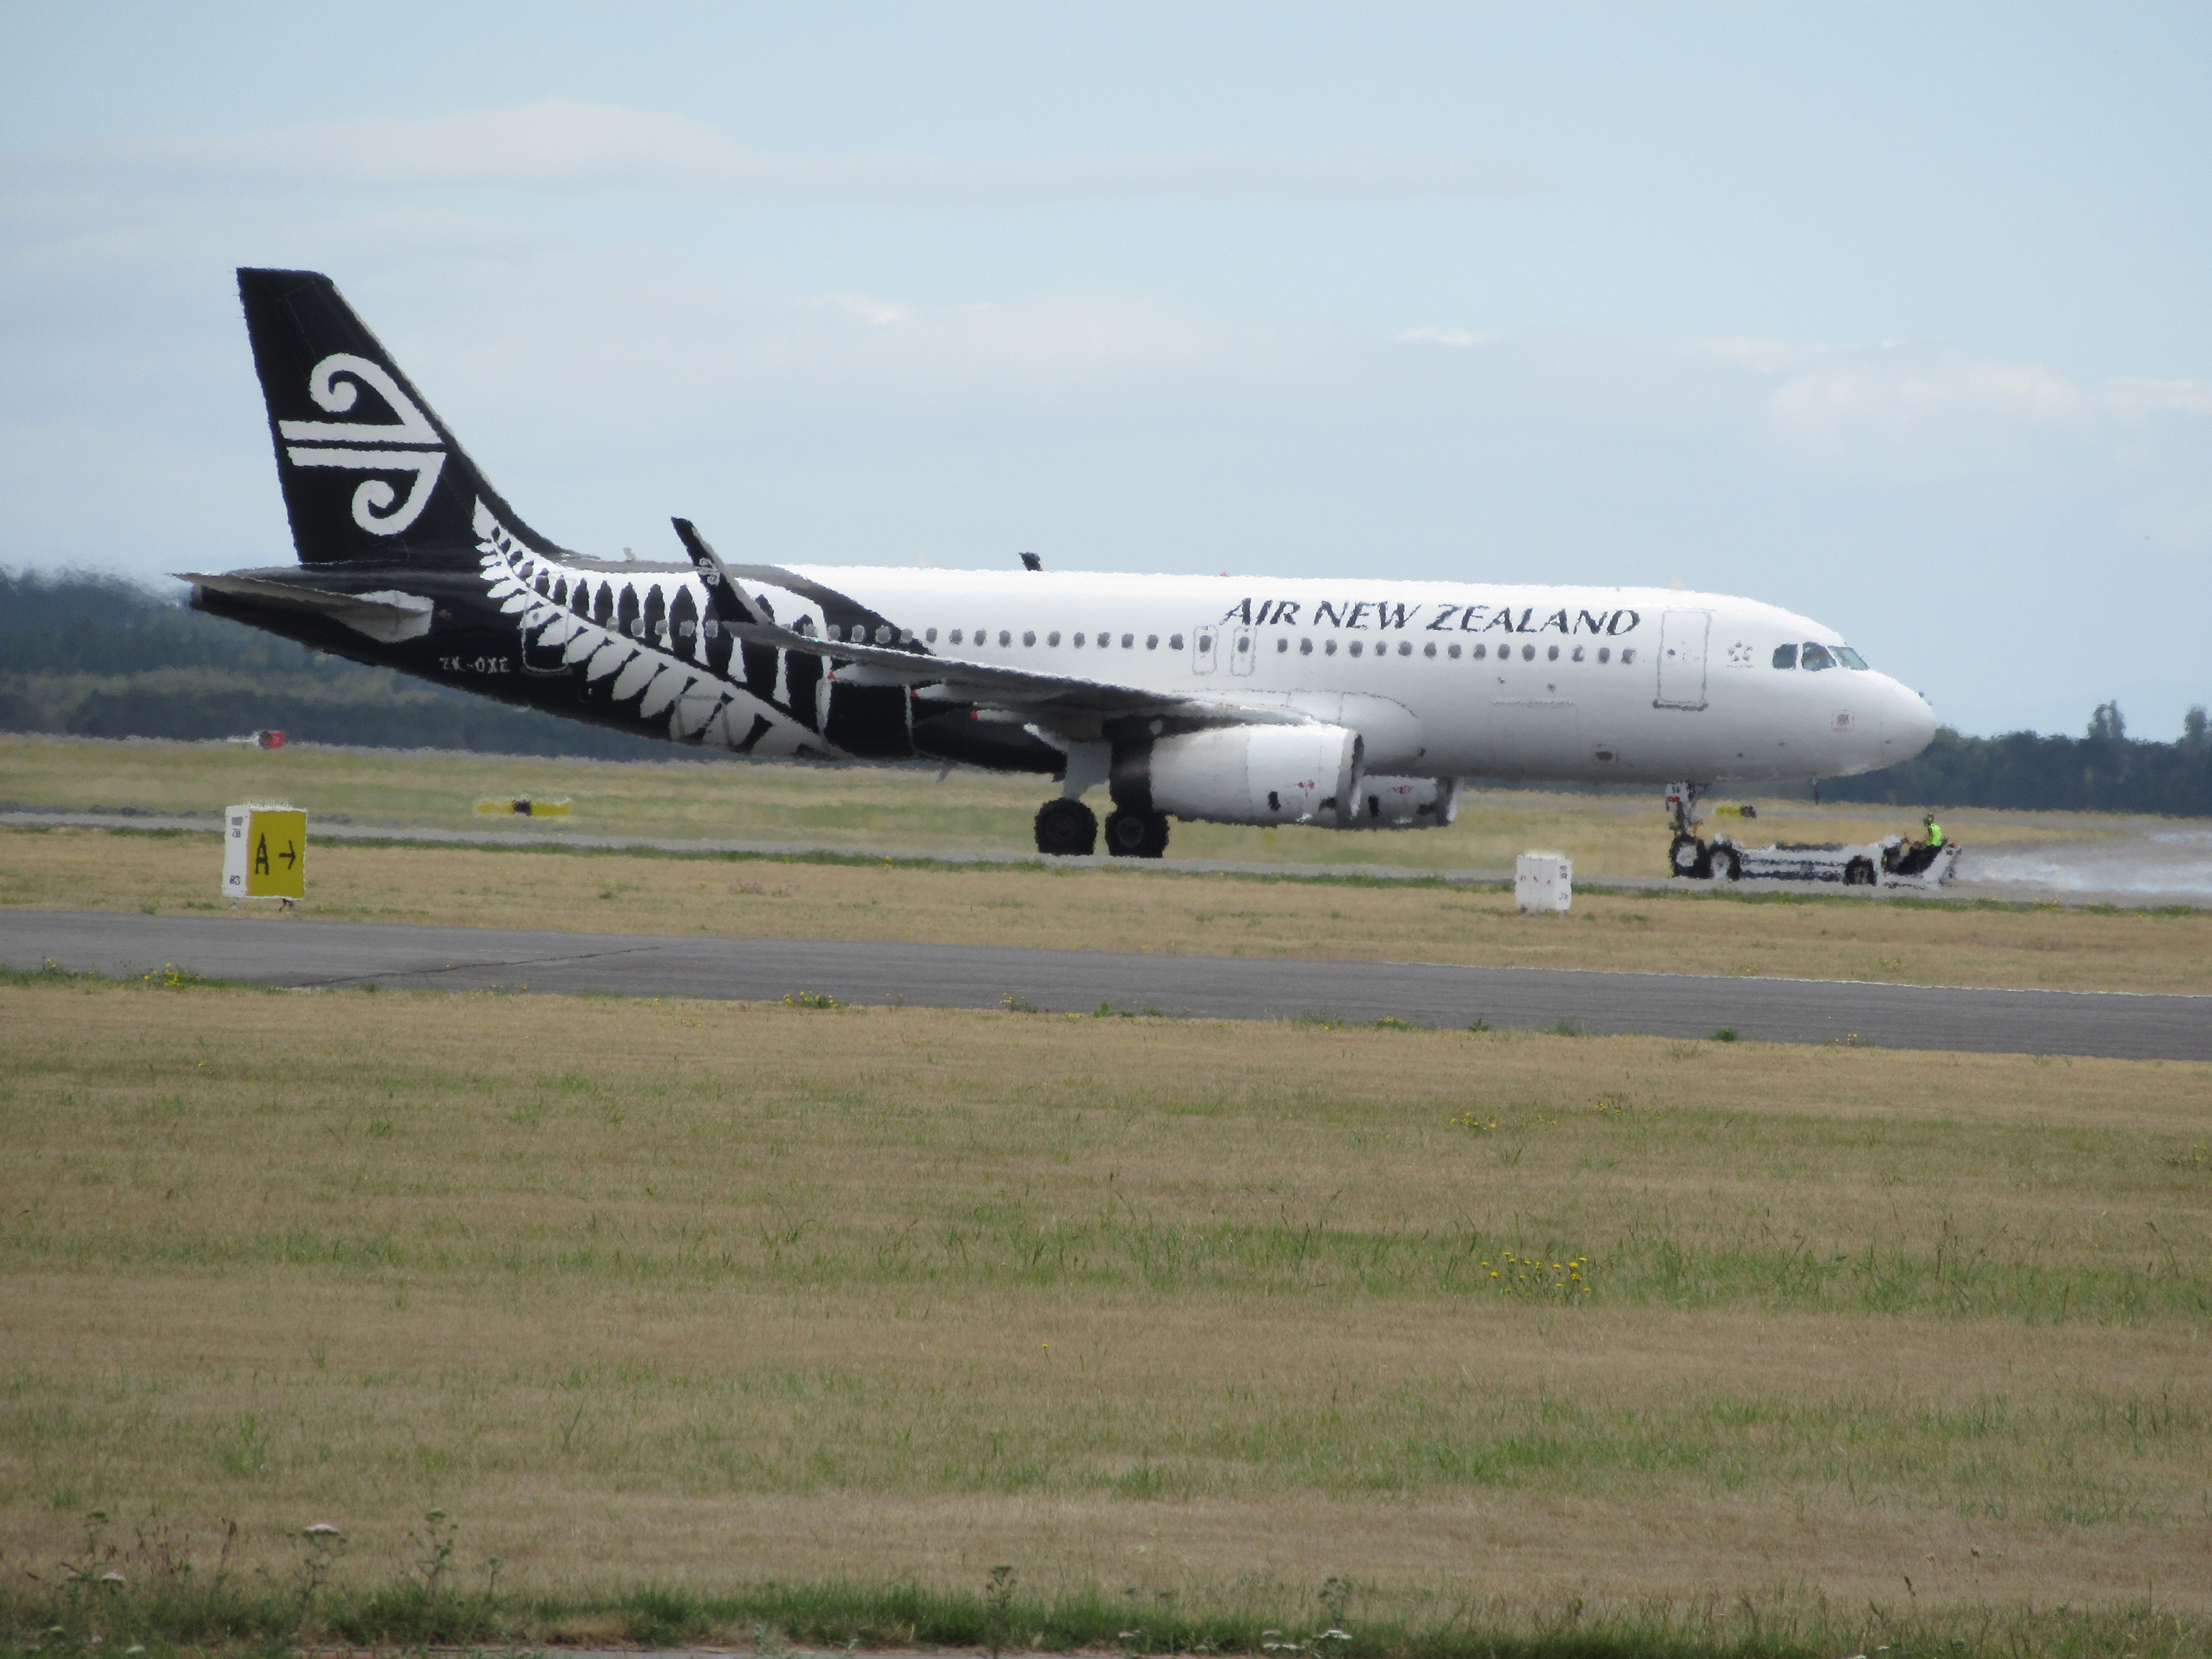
x=1242, y=773
x=1382, y=803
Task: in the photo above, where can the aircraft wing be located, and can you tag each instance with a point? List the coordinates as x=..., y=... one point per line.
x=1047, y=699
x=1038, y=695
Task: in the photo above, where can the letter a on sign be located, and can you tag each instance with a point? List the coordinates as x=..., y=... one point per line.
x=264, y=853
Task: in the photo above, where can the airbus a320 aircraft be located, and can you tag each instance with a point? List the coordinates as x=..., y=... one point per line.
x=1353, y=704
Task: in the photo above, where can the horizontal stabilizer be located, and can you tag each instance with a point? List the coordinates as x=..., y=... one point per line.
x=387, y=616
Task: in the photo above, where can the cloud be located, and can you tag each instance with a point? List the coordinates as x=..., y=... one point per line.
x=569, y=146
x=1443, y=336
x=1916, y=409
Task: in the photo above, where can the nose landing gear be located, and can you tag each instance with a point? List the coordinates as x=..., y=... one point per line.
x=1687, y=855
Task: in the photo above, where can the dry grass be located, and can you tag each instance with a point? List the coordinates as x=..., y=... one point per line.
x=904, y=808
x=688, y=1293
x=1694, y=931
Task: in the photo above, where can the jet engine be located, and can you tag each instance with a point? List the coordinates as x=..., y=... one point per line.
x=1381, y=803
x=1241, y=774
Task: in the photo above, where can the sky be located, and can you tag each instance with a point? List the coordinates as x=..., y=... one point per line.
x=1898, y=316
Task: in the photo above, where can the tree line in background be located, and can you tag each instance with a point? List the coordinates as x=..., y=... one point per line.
x=2104, y=770
x=95, y=656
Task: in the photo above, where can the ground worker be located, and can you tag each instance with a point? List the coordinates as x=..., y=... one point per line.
x=1934, y=831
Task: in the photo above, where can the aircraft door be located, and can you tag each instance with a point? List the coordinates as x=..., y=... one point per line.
x=1204, y=642
x=1682, y=635
x=1244, y=649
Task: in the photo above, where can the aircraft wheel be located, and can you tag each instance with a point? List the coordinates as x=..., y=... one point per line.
x=1136, y=834
x=1859, y=872
x=1689, y=856
x=1066, y=830
x=1727, y=865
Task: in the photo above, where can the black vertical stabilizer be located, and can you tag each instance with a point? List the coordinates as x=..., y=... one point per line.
x=370, y=474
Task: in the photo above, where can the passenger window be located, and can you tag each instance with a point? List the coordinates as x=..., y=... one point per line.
x=1244, y=641
x=1527, y=653
x=1628, y=656
x=956, y=637
x=1306, y=648
x=1028, y=636
x=1282, y=643
x=1358, y=645
x=1175, y=642
x=1006, y=636
x=1480, y=651
x=1578, y=654
x=1452, y=650
x=1604, y=654
x=1848, y=658
x=1815, y=656
x=1552, y=655
x=1077, y=642
x=1406, y=649
x=1328, y=647
x=930, y=637
x=1430, y=649
x=1151, y=641
x=1785, y=656
x=883, y=633
x=1053, y=638
x=1128, y=640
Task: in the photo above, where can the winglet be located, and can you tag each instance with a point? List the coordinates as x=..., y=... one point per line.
x=724, y=597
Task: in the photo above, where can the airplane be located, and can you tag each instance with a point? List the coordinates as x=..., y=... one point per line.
x=1349, y=704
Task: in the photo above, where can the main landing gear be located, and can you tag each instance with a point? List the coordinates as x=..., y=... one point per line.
x=1132, y=835
x=1068, y=830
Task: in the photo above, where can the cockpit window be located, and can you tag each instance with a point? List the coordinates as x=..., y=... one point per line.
x=1815, y=656
x=1848, y=658
x=1785, y=656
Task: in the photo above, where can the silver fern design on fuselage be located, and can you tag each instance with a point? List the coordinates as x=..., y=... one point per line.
x=666, y=667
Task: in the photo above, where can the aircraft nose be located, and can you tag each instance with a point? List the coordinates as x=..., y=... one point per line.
x=1908, y=725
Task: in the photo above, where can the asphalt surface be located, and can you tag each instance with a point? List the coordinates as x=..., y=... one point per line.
x=295, y=951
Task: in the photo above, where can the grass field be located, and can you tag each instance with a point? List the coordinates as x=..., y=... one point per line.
x=1695, y=931
x=1489, y=1326
x=905, y=808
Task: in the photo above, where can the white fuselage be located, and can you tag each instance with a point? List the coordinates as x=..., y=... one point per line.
x=1442, y=678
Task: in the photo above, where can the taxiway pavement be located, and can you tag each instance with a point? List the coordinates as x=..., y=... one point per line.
x=298, y=952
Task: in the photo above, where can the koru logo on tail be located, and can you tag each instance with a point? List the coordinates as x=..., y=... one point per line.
x=333, y=443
